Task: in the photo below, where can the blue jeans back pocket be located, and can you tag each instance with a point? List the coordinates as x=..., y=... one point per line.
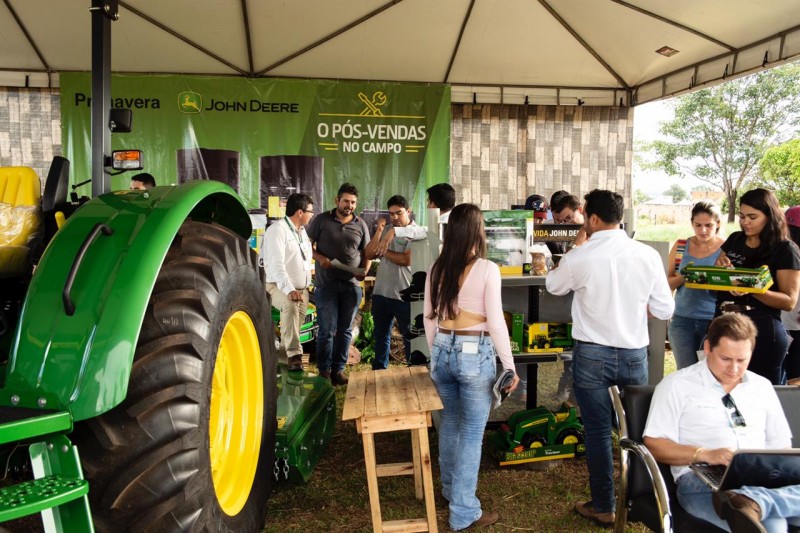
x=588, y=373
x=469, y=364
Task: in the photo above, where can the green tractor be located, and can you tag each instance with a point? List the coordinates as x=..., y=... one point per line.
x=143, y=341
x=539, y=434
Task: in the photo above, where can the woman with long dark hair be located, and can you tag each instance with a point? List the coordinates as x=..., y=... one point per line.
x=694, y=308
x=764, y=240
x=465, y=328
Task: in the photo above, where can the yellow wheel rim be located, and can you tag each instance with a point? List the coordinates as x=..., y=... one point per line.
x=536, y=444
x=236, y=420
x=570, y=439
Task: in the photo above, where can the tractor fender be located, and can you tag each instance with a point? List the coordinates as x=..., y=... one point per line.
x=82, y=361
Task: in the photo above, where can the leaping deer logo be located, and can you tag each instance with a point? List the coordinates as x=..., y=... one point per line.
x=190, y=102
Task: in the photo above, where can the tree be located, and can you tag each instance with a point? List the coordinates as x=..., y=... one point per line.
x=677, y=193
x=719, y=134
x=779, y=171
x=640, y=197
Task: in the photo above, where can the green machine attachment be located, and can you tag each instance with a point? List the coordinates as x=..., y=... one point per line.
x=306, y=417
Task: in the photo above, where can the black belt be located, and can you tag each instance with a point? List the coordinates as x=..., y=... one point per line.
x=735, y=308
x=460, y=332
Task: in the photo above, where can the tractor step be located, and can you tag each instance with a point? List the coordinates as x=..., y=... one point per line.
x=19, y=423
x=31, y=497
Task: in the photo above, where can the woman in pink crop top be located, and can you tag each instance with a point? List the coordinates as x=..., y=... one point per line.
x=465, y=328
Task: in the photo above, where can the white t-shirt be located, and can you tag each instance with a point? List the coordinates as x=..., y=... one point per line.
x=687, y=408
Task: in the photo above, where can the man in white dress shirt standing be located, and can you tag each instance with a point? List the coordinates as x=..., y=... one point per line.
x=286, y=254
x=617, y=283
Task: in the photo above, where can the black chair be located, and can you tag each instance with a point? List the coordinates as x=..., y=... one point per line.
x=54, y=197
x=647, y=492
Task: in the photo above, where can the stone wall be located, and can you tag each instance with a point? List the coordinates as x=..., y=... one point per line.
x=501, y=154
x=30, y=128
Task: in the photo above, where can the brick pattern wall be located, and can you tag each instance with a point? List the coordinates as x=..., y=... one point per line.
x=30, y=128
x=501, y=154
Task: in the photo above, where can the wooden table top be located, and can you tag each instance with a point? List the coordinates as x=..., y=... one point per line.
x=396, y=390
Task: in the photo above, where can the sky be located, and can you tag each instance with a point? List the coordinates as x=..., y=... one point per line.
x=647, y=119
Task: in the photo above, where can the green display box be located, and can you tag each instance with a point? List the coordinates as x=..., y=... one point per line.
x=306, y=418
x=712, y=278
x=515, y=322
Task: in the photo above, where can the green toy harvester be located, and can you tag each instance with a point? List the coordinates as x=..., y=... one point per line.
x=539, y=435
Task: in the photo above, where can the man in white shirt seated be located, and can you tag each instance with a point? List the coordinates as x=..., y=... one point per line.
x=706, y=411
x=286, y=254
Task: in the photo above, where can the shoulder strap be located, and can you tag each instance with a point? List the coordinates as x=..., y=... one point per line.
x=679, y=250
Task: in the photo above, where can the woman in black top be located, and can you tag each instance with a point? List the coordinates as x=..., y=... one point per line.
x=764, y=240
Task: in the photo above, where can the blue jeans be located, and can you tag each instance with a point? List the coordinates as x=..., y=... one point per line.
x=337, y=302
x=595, y=368
x=777, y=505
x=464, y=382
x=772, y=343
x=384, y=312
x=686, y=337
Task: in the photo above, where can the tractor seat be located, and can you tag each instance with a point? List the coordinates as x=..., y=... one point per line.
x=20, y=196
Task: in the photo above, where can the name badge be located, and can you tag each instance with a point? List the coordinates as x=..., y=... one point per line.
x=469, y=347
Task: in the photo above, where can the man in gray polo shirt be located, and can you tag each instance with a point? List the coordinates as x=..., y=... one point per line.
x=391, y=244
x=337, y=235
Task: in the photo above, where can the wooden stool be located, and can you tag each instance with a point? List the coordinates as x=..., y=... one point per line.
x=396, y=399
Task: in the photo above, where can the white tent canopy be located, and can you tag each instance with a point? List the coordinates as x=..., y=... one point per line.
x=597, y=52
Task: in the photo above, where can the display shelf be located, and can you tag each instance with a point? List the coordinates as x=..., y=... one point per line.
x=538, y=306
x=521, y=280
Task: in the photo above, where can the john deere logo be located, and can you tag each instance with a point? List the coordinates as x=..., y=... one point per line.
x=373, y=104
x=190, y=102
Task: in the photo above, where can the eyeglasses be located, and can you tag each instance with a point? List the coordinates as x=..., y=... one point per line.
x=735, y=417
x=308, y=211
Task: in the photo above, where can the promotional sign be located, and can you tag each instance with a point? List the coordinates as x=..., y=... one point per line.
x=269, y=138
x=556, y=232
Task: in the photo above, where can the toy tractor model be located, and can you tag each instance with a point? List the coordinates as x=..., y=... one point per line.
x=142, y=340
x=549, y=337
x=538, y=435
x=541, y=342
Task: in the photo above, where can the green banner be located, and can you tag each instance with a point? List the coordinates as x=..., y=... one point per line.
x=272, y=137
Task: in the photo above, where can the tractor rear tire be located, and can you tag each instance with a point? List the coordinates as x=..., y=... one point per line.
x=203, y=383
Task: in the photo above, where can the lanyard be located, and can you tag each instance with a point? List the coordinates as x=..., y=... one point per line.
x=296, y=236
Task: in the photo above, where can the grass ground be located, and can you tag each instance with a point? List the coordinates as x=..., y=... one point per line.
x=647, y=231
x=533, y=497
